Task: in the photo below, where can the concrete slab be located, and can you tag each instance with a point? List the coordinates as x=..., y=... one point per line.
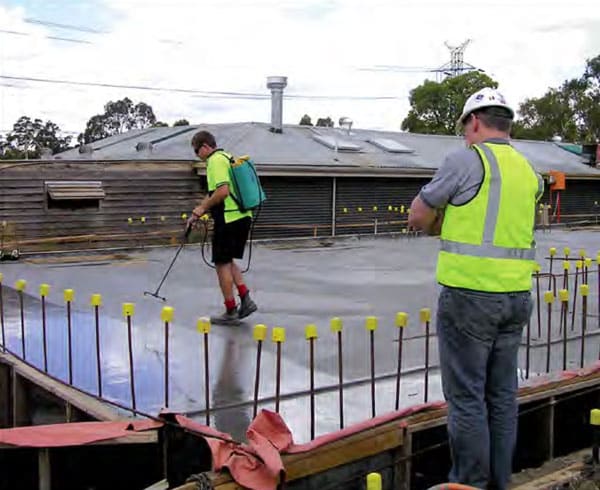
x=294, y=284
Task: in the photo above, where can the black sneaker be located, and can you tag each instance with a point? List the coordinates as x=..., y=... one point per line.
x=228, y=318
x=247, y=306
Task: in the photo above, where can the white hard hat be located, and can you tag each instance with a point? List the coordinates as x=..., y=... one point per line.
x=486, y=97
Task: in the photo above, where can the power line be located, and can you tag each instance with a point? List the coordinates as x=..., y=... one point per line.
x=397, y=68
x=87, y=30
x=196, y=93
x=55, y=38
x=70, y=27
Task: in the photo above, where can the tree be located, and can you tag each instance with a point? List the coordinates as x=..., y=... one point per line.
x=181, y=122
x=29, y=137
x=160, y=124
x=545, y=117
x=325, y=122
x=435, y=107
x=306, y=120
x=571, y=111
x=118, y=117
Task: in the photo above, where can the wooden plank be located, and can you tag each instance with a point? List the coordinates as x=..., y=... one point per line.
x=20, y=414
x=347, y=450
x=44, y=470
x=144, y=437
x=5, y=398
x=85, y=403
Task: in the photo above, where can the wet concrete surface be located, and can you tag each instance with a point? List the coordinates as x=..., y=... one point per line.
x=294, y=284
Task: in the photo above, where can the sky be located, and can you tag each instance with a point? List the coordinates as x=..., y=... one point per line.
x=330, y=50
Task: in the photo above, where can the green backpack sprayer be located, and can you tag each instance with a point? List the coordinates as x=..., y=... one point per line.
x=246, y=192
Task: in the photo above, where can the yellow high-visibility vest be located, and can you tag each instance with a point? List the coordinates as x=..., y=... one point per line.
x=487, y=244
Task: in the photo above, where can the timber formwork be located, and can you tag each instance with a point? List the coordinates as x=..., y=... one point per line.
x=409, y=452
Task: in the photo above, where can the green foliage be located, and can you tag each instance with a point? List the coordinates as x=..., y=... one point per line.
x=435, y=107
x=118, y=117
x=30, y=137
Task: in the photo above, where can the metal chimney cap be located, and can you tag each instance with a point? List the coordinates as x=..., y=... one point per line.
x=276, y=82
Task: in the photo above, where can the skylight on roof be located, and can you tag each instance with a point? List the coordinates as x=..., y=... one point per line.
x=336, y=143
x=391, y=146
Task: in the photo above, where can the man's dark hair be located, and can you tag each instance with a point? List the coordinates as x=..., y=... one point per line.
x=203, y=138
x=496, y=118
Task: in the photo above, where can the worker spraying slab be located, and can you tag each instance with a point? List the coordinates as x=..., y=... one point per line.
x=232, y=223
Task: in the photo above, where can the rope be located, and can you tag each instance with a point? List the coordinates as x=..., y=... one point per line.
x=201, y=480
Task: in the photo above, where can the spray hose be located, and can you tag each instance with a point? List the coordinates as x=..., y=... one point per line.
x=205, y=240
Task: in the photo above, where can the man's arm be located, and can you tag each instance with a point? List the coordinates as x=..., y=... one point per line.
x=423, y=217
x=208, y=202
x=460, y=173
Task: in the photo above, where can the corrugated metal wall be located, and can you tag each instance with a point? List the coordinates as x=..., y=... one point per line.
x=361, y=201
x=577, y=200
x=295, y=207
x=132, y=190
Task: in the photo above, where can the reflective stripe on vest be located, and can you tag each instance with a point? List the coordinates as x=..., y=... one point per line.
x=487, y=248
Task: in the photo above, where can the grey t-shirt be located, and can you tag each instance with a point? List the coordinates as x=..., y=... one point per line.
x=458, y=179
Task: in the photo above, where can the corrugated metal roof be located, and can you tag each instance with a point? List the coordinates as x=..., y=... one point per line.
x=296, y=146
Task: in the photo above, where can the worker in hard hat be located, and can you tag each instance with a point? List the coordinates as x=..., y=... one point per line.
x=483, y=200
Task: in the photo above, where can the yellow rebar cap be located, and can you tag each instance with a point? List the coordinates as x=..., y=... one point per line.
x=374, y=481
x=549, y=297
x=20, y=285
x=425, y=315
x=278, y=334
x=96, y=300
x=128, y=309
x=595, y=416
x=69, y=295
x=336, y=324
x=401, y=319
x=563, y=294
x=44, y=290
x=310, y=332
x=260, y=332
x=166, y=315
x=371, y=323
x=203, y=325
x=585, y=290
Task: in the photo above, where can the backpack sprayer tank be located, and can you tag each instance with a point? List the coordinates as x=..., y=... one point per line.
x=247, y=191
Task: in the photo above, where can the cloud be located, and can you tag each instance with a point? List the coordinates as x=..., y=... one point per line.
x=227, y=45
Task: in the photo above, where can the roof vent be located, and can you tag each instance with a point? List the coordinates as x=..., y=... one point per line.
x=345, y=123
x=144, y=146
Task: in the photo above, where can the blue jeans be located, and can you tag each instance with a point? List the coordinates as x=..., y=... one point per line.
x=479, y=335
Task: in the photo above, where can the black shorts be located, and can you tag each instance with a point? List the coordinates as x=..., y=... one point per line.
x=229, y=240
